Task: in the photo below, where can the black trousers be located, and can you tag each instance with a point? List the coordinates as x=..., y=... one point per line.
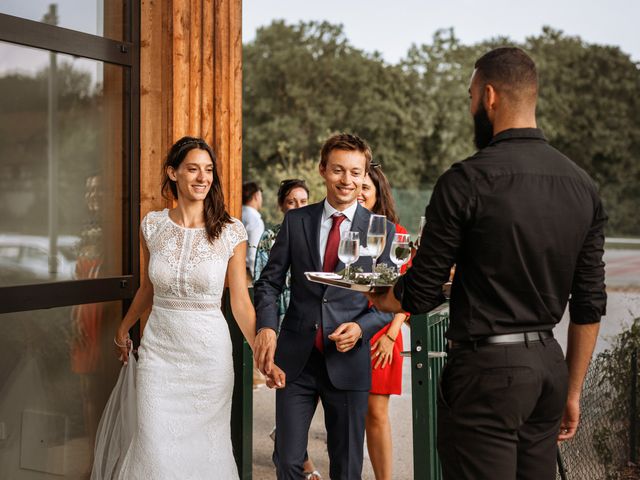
x=344, y=415
x=499, y=411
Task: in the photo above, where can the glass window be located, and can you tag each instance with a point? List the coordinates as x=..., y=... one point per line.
x=62, y=151
x=57, y=369
x=97, y=17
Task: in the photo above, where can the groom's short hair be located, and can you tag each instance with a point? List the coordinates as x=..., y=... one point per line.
x=348, y=142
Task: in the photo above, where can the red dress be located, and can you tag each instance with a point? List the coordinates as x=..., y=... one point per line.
x=388, y=380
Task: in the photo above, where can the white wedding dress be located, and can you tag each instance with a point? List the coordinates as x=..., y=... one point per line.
x=185, y=368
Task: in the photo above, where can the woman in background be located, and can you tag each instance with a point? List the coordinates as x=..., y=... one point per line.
x=386, y=345
x=293, y=193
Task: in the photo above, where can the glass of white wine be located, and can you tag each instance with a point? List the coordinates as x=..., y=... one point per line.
x=349, y=250
x=423, y=223
x=376, y=237
x=400, y=250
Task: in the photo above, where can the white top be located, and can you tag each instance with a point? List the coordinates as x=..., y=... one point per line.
x=327, y=221
x=252, y=221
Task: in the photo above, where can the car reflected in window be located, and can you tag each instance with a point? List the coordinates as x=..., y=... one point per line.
x=26, y=259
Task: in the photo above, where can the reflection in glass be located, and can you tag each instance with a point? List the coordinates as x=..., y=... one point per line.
x=61, y=167
x=104, y=18
x=57, y=369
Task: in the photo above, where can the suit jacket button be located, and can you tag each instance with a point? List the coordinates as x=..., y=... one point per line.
x=316, y=326
x=324, y=300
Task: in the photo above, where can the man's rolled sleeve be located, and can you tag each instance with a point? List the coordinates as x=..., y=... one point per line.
x=420, y=290
x=588, y=295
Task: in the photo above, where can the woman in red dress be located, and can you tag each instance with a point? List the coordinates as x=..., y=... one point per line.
x=386, y=345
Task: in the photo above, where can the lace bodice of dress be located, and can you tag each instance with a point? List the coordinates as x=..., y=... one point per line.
x=186, y=269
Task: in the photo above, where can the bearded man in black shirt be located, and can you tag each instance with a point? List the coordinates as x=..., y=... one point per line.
x=524, y=226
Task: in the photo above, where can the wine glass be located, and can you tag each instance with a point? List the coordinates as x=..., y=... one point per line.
x=376, y=237
x=349, y=250
x=400, y=250
x=423, y=223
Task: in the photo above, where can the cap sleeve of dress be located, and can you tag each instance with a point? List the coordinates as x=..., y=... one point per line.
x=150, y=225
x=235, y=233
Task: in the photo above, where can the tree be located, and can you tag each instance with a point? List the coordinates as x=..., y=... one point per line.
x=304, y=81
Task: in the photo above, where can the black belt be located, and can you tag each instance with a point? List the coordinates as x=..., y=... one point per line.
x=507, y=338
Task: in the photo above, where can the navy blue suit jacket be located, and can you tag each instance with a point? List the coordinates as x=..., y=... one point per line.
x=297, y=248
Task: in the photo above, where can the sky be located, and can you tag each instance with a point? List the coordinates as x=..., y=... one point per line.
x=390, y=27
x=387, y=26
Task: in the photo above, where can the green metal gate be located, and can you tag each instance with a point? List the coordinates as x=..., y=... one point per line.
x=428, y=356
x=242, y=402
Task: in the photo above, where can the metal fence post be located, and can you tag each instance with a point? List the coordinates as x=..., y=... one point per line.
x=427, y=359
x=633, y=411
x=242, y=400
x=420, y=397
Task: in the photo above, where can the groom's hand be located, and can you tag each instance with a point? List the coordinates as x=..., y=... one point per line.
x=346, y=336
x=264, y=349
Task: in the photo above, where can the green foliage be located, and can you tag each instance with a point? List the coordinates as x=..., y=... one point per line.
x=385, y=275
x=305, y=81
x=614, y=378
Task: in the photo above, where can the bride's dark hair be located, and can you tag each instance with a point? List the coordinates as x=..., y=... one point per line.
x=215, y=214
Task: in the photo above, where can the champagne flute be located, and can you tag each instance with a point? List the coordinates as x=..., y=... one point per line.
x=400, y=250
x=376, y=237
x=423, y=223
x=349, y=250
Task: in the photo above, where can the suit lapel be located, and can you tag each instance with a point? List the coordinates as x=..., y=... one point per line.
x=361, y=223
x=311, y=225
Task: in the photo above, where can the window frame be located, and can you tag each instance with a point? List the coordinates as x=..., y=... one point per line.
x=125, y=53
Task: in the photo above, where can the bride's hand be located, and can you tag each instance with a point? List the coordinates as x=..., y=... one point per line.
x=123, y=344
x=277, y=378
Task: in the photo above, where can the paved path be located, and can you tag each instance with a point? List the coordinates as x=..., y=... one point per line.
x=264, y=419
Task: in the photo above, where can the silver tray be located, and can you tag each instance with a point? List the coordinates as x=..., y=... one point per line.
x=335, y=280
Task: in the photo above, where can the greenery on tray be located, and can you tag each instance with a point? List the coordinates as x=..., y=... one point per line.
x=385, y=275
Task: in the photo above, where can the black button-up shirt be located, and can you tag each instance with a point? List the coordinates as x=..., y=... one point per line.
x=524, y=226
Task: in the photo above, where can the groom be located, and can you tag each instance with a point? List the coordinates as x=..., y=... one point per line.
x=323, y=345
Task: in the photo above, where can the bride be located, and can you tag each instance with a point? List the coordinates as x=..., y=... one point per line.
x=185, y=370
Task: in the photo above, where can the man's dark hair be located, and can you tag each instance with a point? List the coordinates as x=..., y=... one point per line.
x=511, y=71
x=286, y=186
x=348, y=142
x=249, y=189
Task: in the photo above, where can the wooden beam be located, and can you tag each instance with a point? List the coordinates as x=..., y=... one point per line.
x=181, y=67
x=196, y=80
x=227, y=97
x=206, y=115
x=191, y=84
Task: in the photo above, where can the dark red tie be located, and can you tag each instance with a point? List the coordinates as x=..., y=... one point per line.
x=330, y=262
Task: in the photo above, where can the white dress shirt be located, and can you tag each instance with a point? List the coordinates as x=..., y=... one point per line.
x=252, y=221
x=327, y=221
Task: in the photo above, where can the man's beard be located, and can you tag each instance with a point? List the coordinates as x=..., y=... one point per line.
x=482, y=128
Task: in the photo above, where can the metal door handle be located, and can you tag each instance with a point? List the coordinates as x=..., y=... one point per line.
x=407, y=353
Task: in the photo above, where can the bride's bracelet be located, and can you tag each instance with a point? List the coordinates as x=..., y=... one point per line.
x=115, y=340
